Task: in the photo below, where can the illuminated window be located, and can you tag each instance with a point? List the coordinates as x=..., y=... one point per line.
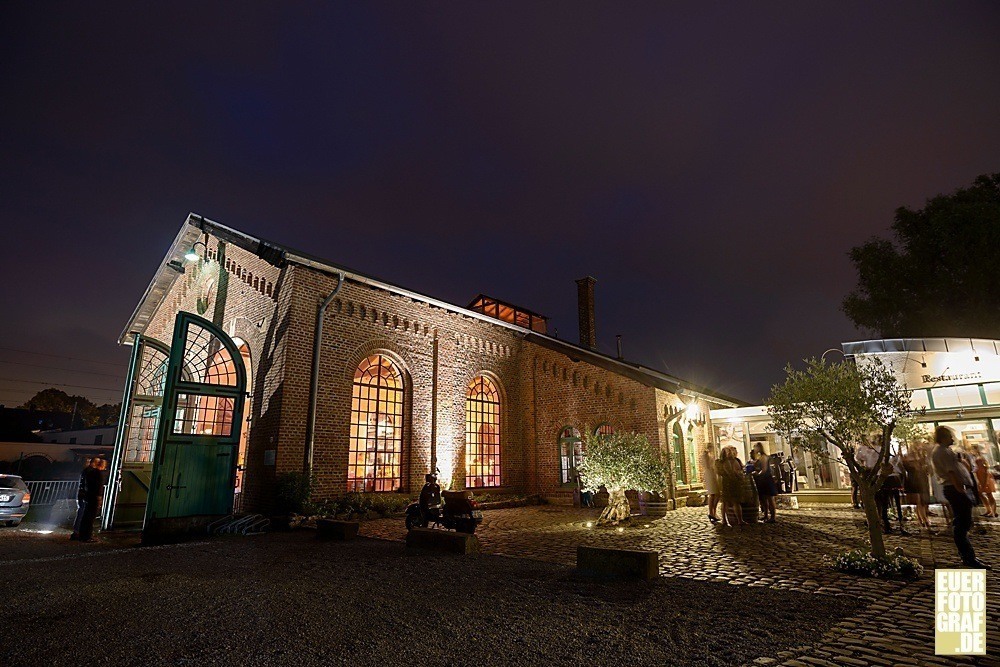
x=570, y=454
x=692, y=456
x=376, y=447
x=198, y=414
x=482, y=433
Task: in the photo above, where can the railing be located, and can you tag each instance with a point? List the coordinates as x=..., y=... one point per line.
x=51, y=492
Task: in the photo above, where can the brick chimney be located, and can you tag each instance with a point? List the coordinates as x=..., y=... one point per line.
x=585, y=310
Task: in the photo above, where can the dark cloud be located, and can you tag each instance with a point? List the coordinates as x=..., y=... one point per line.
x=711, y=165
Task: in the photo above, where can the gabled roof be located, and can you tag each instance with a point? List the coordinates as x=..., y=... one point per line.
x=172, y=266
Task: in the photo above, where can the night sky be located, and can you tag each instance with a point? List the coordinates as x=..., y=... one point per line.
x=710, y=165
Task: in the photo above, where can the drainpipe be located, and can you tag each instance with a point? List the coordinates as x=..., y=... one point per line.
x=307, y=462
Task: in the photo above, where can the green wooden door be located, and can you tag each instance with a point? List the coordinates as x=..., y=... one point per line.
x=194, y=465
x=132, y=462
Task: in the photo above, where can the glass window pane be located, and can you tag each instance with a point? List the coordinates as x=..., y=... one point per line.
x=956, y=397
x=919, y=399
x=992, y=392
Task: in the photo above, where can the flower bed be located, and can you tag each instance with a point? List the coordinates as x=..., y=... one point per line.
x=864, y=563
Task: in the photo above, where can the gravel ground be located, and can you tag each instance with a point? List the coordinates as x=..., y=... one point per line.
x=288, y=599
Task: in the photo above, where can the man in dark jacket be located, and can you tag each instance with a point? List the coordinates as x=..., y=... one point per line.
x=81, y=502
x=92, y=482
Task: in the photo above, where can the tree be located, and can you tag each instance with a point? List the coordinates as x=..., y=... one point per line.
x=620, y=462
x=938, y=277
x=86, y=412
x=847, y=406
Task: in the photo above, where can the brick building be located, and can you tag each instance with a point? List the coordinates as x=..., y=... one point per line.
x=404, y=382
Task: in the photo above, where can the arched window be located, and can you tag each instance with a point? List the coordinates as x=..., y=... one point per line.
x=482, y=433
x=603, y=430
x=376, y=447
x=570, y=454
x=678, y=454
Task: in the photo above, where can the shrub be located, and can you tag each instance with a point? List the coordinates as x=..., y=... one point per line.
x=361, y=505
x=865, y=563
x=293, y=493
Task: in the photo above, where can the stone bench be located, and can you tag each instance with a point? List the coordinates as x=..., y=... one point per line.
x=331, y=529
x=442, y=540
x=617, y=563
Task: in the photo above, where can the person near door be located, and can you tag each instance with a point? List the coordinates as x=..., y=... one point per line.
x=81, y=498
x=93, y=489
x=708, y=460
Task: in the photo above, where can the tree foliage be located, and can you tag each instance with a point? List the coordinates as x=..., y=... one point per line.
x=620, y=462
x=88, y=414
x=847, y=406
x=938, y=276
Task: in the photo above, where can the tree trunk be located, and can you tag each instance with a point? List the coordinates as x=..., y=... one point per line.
x=874, y=520
x=618, y=509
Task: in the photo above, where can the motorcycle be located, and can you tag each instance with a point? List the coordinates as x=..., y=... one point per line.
x=457, y=512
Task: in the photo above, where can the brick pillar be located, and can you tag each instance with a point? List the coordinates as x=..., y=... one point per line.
x=585, y=310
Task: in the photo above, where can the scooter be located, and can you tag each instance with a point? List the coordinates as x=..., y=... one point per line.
x=458, y=512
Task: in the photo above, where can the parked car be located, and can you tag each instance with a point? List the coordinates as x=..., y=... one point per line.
x=14, y=499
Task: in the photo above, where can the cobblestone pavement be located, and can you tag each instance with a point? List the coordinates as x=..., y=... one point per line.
x=897, y=627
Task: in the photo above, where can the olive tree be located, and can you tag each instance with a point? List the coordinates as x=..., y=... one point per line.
x=620, y=462
x=847, y=406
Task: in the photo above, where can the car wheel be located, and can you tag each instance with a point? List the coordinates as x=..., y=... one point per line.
x=15, y=524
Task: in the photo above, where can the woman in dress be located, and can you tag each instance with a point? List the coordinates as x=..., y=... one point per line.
x=708, y=461
x=916, y=482
x=764, y=480
x=986, y=484
x=730, y=471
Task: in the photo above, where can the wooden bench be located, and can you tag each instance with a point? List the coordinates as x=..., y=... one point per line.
x=331, y=529
x=617, y=563
x=442, y=540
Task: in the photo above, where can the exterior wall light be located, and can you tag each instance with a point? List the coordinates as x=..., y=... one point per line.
x=192, y=254
x=692, y=411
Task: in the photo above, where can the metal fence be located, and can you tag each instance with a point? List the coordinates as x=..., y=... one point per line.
x=51, y=492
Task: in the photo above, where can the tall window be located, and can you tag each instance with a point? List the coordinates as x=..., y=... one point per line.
x=678, y=454
x=482, y=433
x=570, y=454
x=376, y=449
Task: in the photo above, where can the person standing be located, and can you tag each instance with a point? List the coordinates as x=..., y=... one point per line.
x=764, y=480
x=957, y=483
x=708, y=461
x=730, y=471
x=916, y=482
x=985, y=484
x=92, y=482
x=81, y=499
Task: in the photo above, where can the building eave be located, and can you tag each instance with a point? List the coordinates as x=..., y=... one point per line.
x=172, y=266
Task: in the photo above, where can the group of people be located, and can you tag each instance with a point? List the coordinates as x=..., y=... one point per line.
x=88, y=499
x=911, y=480
x=725, y=481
